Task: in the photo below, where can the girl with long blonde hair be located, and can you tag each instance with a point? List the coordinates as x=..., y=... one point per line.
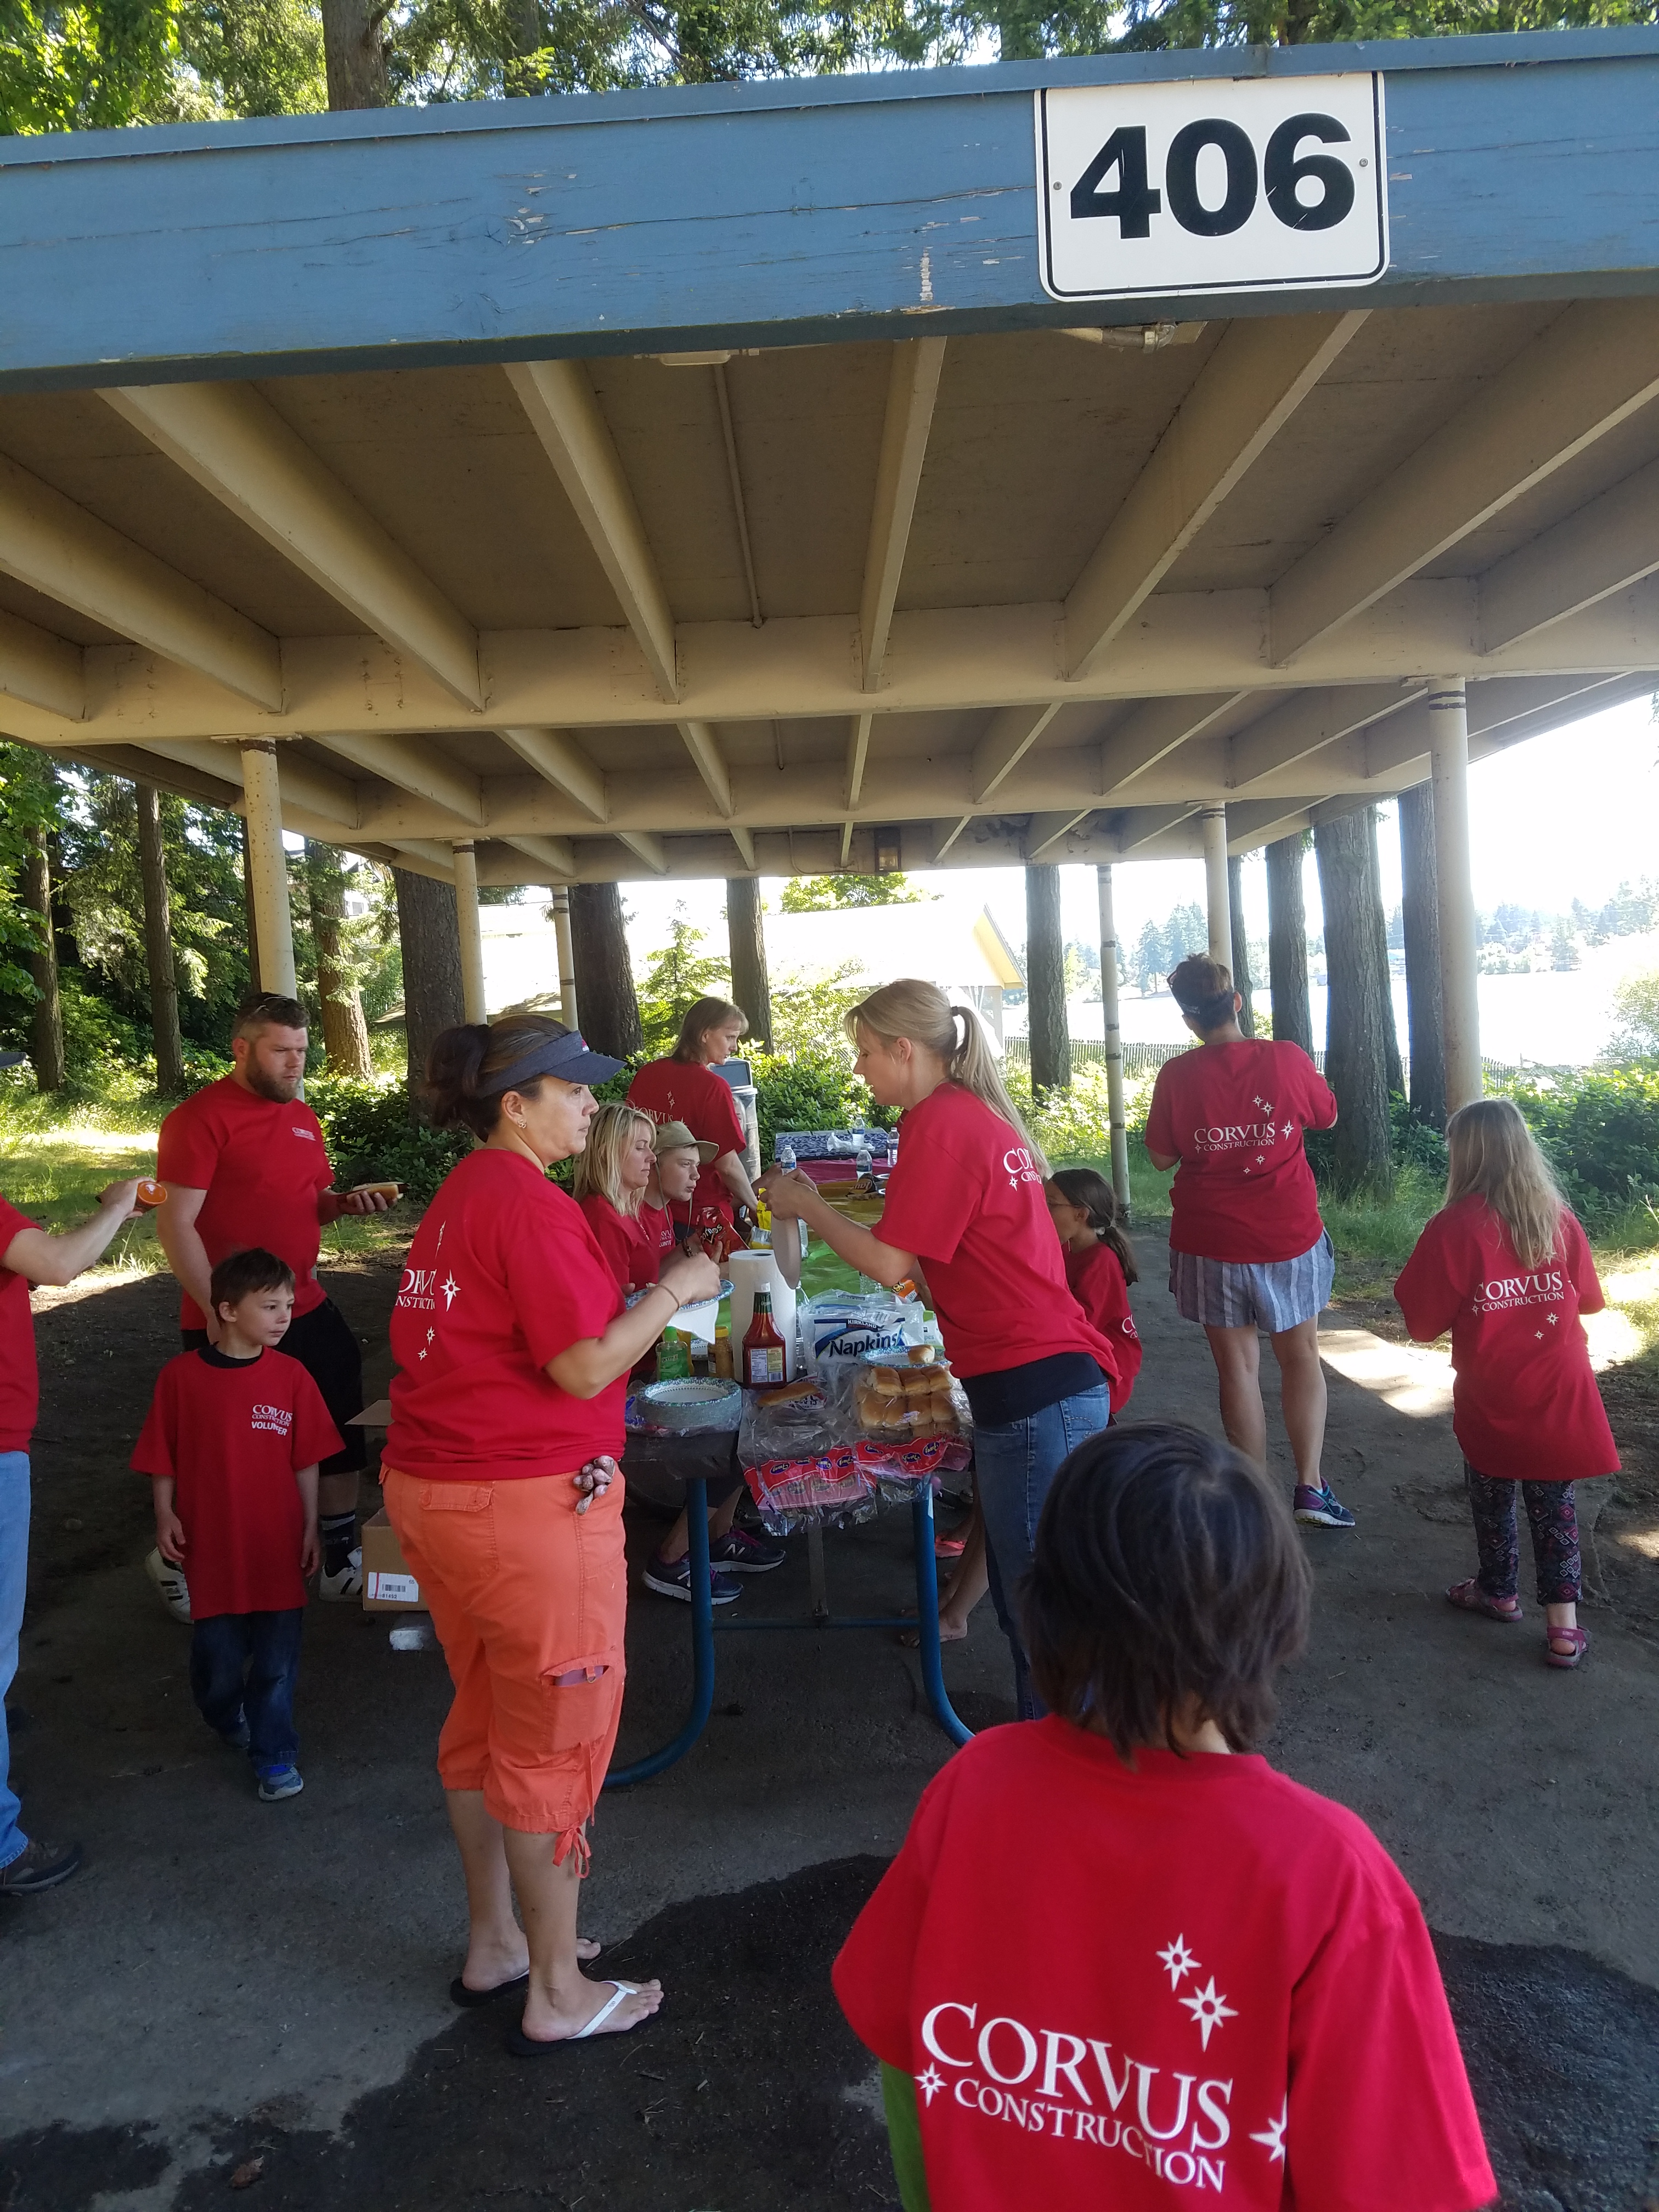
x=965, y=1204
x=1506, y=1268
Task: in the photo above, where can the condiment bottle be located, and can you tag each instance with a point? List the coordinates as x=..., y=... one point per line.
x=673, y=1357
x=762, y=1347
x=724, y=1364
x=761, y=1239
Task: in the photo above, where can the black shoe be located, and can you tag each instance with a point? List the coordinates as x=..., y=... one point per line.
x=38, y=1865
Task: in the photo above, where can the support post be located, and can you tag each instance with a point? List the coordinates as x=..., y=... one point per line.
x=1114, y=1041
x=158, y=945
x=1460, y=1015
x=470, y=931
x=1045, y=981
x=267, y=864
x=1213, y=821
x=559, y=907
x=746, y=929
x=1240, y=962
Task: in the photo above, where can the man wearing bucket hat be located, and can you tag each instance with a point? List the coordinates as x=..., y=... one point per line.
x=681, y=1158
x=28, y=1254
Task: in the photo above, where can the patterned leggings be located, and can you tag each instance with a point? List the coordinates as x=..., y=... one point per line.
x=1554, y=1525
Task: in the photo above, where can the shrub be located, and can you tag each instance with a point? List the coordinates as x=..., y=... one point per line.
x=373, y=1136
x=813, y=1091
x=1601, y=1132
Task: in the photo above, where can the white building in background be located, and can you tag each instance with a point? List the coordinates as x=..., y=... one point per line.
x=952, y=942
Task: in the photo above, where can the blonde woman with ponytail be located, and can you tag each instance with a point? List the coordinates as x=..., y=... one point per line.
x=965, y=1203
x=1506, y=1268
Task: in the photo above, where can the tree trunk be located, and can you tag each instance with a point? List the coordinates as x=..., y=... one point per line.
x=254, y=980
x=432, y=965
x=158, y=946
x=345, y=1032
x=1421, y=897
x=524, y=74
x=604, y=973
x=747, y=930
x=1392, y=1073
x=47, y=1015
x=1287, y=942
x=1045, y=981
x=1241, y=963
x=1355, y=1060
x=354, y=52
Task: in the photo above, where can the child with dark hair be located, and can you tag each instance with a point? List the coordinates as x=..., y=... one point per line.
x=235, y=1433
x=1099, y=1266
x=1206, y=1976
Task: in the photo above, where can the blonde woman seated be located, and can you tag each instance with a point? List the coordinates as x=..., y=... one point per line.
x=611, y=1177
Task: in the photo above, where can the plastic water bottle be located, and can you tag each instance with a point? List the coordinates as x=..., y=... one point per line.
x=786, y=1159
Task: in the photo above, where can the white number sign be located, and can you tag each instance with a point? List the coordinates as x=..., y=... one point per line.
x=1250, y=185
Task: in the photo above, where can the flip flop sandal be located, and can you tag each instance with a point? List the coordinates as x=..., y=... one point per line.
x=1472, y=1598
x=1580, y=1646
x=529, y=2046
x=459, y=1994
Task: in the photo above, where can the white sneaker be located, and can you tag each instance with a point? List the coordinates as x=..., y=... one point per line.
x=347, y=1583
x=170, y=1581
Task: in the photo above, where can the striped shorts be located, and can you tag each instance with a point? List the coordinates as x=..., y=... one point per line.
x=1274, y=1294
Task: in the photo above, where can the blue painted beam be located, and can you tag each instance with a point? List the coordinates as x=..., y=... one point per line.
x=776, y=213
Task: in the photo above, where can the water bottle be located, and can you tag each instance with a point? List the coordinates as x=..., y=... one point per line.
x=786, y=1159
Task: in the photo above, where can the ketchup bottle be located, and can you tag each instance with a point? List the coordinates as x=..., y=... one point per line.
x=762, y=1347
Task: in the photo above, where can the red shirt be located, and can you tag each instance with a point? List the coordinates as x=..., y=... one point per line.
x=231, y=1434
x=1234, y=1115
x=685, y=1091
x=629, y=1248
x=1101, y=1288
x=503, y=1273
x=263, y=1166
x=20, y=1374
x=1524, y=1400
x=966, y=1199
x=658, y=1223
x=1220, y=1981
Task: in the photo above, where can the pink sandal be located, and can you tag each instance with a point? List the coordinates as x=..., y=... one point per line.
x=1580, y=1646
x=1473, y=1599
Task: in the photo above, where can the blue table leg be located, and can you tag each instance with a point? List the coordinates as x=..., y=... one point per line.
x=702, y=1649
x=933, y=1675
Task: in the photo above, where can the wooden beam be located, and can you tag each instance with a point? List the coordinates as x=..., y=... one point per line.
x=645, y=847
x=426, y=857
x=559, y=400
x=745, y=841
x=1301, y=724
x=324, y=795
x=1013, y=732
x=912, y=390
x=704, y=749
x=1258, y=376
x=953, y=831
x=1259, y=821
x=858, y=755
x=563, y=763
x=1048, y=830
x=552, y=853
x=413, y=766
x=1139, y=825
x=1605, y=546
x=231, y=441
x=59, y=550
x=41, y=669
x=1594, y=366
x=1151, y=730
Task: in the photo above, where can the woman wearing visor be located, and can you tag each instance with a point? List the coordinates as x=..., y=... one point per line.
x=513, y=1343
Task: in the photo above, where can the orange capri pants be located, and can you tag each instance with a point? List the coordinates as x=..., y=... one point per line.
x=524, y=1590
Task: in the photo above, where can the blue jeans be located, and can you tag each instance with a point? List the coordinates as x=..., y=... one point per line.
x=1013, y=1469
x=14, y=1578
x=246, y=1665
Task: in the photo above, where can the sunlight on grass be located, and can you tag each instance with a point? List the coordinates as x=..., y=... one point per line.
x=1629, y=1329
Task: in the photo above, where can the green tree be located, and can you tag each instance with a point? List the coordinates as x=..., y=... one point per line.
x=1636, y=1004
x=675, y=975
x=817, y=894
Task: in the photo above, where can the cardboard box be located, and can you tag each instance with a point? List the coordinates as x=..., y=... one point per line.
x=388, y=1586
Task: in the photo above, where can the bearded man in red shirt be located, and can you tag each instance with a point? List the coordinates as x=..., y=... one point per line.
x=244, y=1164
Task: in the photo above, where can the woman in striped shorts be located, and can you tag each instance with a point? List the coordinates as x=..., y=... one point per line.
x=1247, y=1251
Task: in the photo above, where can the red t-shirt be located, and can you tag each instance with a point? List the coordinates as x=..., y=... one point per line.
x=20, y=1374
x=628, y=1247
x=1220, y=1981
x=685, y=1091
x=231, y=1434
x=966, y=1197
x=1101, y=1288
x=262, y=1166
x=503, y=1273
x=657, y=1223
x=1524, y=1401
x=1234, y=1115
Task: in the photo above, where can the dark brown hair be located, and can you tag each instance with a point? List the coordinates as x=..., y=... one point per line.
x=701, y=1015
x=269, y=1009
x=464, y=1063
x=241, y=1274
x=1203, y=990
x=1166, y=1583
x=1081, y=1186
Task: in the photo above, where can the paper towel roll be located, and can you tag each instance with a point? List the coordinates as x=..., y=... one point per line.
x=759, y=1271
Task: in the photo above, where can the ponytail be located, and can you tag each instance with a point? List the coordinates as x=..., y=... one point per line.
x=462, y=1061
x=911, y=1008
x=1083, y=1187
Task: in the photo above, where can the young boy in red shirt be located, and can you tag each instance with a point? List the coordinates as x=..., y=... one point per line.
x=232, y=1444
x=1185, y=1970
